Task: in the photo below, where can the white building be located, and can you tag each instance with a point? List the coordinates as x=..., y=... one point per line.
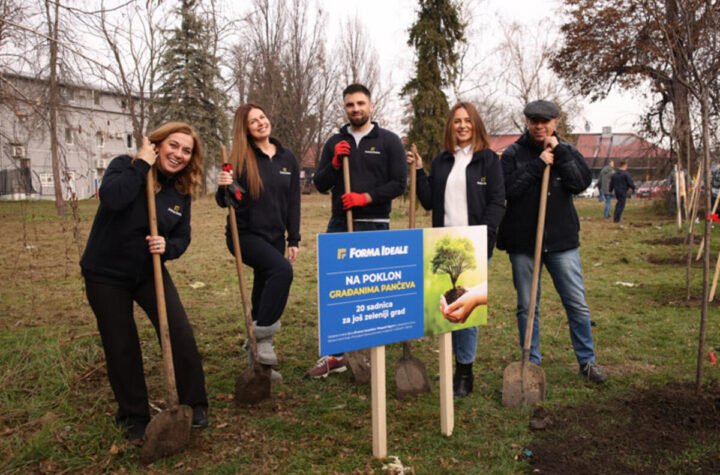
x=93, y=124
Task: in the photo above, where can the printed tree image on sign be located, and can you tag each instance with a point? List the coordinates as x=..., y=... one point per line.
x=453, y=256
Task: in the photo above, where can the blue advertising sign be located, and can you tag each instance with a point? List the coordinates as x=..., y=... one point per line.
x=370, y=289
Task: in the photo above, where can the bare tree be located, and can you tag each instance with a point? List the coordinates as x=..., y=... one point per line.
x=52, y=12
x=528, y=52
x=282, y=65
x=359, y=63
x=134, y=43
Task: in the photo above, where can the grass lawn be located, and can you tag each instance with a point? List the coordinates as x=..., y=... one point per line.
x=56, y=407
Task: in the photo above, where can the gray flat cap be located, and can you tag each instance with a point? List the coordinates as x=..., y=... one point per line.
x=541, y=110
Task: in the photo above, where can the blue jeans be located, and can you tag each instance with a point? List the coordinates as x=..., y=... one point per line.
x=464, y=344
x=608, y=200
x=566, y=273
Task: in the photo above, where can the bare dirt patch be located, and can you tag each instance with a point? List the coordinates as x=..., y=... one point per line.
x=647, y=432
x=671, y=241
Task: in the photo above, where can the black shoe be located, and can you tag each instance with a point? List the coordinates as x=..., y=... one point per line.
x=134, y=429
x=593, y=372
x=462, y=380
x=200, y=417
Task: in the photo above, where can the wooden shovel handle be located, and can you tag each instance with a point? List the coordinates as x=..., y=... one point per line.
x=529, y=324
x=247, y=311
x=413, y=187
x=346, y=179
x=160, y=297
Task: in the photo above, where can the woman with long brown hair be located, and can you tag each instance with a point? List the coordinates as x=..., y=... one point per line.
x=268, y=216
x=118, y=271
x=465, y=187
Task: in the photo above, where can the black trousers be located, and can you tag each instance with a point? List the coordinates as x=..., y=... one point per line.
x=619, y=207
x=273, y=275
x=113, y=308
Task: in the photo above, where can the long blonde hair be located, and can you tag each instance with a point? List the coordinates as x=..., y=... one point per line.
x=189, y=179
x=242, y=154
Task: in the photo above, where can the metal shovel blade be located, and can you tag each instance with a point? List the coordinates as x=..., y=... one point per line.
x=167, y=433
x=411, y=377
x=253, y=385
x=359, y=362
x=519, y=390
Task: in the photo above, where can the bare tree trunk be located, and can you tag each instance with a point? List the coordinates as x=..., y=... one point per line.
x=708, y=235
x=53, y=102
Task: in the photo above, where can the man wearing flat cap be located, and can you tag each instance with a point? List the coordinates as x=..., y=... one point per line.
x=523, y=165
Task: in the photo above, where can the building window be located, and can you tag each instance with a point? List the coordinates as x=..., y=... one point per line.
x=68, y=135
x=46, y=179
x=96, y=98
x=100, y=139
x=123, y=104
x=67, y=94
x=129, y=141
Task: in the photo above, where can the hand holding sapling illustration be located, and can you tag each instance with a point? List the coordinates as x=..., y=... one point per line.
x=460, y=309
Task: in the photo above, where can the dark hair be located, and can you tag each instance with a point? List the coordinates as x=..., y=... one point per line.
x=189, y=180
x=356, y=87
x=242, y=155
x=480, y=138
x=623, y=163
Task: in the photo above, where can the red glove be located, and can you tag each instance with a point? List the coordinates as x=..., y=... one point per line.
x=233, y=191
x=350, y=200
x=342, y=149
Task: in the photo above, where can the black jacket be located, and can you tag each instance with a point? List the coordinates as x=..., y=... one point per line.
x=377, y=167
x=116, y=251
x=277, y=210
x=523, y=170
x=621, y=182
x=485, y=190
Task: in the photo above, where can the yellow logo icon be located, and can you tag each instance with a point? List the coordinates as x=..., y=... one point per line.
x=177, y=208
x=342, y=252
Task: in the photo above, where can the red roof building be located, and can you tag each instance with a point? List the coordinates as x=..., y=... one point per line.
x=645, y=160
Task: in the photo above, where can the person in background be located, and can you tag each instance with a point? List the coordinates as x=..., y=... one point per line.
x=465, y=188
x=622, y=184
x=523, y=165
x=268, y=216
x=118, y=271
x=604, y=184
x=378, y=173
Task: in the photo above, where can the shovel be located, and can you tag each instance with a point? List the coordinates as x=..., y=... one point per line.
x=411, y=376
x=359, y=361
x=524, y=382
x=168, y=432
x=253, y=384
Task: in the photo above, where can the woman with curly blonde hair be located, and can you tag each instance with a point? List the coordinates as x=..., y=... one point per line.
x=118, y=271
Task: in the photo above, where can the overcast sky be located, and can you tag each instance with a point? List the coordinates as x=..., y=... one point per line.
x=387, y=22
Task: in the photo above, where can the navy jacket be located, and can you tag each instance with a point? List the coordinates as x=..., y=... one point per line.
x=621, y=182
x=116, y=251
x=277, y=210
x=485, y=190
x=523, y=170
x=377, y=167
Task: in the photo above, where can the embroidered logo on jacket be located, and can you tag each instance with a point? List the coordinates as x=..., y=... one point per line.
x=175, y=210
x=372, y=151
x=285, y=171
x=482, y=181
